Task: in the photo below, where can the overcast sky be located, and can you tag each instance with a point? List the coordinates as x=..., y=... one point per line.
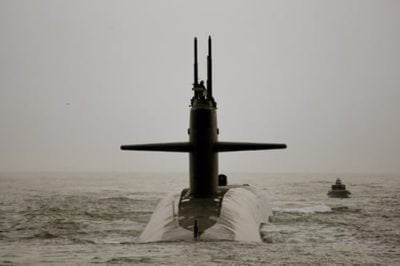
x=80, y=78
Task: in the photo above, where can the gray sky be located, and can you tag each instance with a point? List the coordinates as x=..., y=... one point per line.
x=80, y=78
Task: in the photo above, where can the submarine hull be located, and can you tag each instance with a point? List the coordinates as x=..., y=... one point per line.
x=339, y=193
x=208, y=208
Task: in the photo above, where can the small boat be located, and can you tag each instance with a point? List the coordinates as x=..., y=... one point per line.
x=339, y=190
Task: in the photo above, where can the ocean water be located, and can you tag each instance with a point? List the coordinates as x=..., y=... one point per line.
x=82, y=218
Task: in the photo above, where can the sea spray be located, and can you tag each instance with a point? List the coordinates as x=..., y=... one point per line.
x=162, y=220
x=243, y=210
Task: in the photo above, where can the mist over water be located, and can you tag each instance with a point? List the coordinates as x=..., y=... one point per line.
x=59, y=218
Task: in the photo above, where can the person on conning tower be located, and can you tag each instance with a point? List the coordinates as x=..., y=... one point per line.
x=200, y=92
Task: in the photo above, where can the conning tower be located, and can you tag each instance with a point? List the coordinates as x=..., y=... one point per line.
x=203, y=145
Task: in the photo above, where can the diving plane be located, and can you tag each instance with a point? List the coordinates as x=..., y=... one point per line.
x=202, y=210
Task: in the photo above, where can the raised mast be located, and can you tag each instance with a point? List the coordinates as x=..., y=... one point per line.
x=209, y=71
x=196, y=75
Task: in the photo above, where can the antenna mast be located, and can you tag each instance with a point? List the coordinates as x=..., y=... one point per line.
x=209, y=70
x=196, y=78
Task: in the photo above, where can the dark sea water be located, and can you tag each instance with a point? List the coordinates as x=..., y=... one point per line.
x=83, y=218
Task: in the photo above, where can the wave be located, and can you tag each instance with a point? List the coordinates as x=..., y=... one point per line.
x=83, y=241
x=2, y=237
x=42, y=235
x=118, y=199
x=343, y=209
x=308, y=210
x=129, y=260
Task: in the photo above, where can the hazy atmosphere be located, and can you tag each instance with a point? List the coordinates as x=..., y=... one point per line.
x=80, y=78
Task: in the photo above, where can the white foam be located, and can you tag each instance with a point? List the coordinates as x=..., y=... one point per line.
x=243, y=210
x=162, y=220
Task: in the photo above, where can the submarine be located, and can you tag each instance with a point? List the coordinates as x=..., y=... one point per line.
x=209, y=208
x=338, y=190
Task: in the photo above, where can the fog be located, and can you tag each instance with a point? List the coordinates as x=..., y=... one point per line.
x=80, y=78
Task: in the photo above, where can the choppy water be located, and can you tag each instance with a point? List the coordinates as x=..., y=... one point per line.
x=81, y=218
